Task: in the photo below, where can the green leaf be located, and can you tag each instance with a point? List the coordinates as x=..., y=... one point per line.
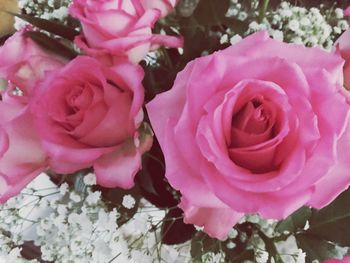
x=245, y=255
x=51, y=44
x=49, y=26
x=174, y=230
x=332, y=222
x=295, y=221
x=201, y=244
x=318, y=249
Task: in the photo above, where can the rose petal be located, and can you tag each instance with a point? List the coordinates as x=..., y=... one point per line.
x=217, y=222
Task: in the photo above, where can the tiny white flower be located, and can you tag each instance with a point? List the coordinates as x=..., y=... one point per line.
x=89, y=179
x=235, y=39
x=254, y=26
x=301, y=256
x=224, y=39
x=233, y=233
x=262, y=256
x=305, y=21
x=75, y=197
x=128, y=201
x=286, y=13
x=230, y=245
x=339, y=13
x=242, y=16
x=293, y=25
x=278, y=35
x=93, y=198
x=64, y=188
x=336, y=30
x=343, y=24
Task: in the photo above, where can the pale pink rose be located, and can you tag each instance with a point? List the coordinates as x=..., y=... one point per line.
x=121, y=27
x=22, y=65
x=344, y=260
x=90, y=115
x=261, y=127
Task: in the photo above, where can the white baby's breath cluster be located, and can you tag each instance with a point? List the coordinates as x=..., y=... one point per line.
x=289, y=23
x=47, y=9
x=310, y=27
x=76, y=226
x=240, y=11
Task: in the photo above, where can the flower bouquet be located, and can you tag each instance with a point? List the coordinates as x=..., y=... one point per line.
x=174, y=131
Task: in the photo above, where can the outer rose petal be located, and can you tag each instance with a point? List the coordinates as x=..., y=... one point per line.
x=24, y=158
x=344, y=260
x=338, y=178
x=305, y=57
x=343, y=46
x=9, y=190
x=347, y=11
x=217, y=222
x=119, y=168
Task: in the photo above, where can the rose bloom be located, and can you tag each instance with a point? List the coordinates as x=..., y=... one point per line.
x=260, y=127
x=23, y=64
x=121, y=27
x=90, y=115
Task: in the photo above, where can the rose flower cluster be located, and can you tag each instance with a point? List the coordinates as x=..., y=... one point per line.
x=260, y=127
x=70, y=115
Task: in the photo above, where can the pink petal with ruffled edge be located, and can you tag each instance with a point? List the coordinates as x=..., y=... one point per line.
x=217, y=222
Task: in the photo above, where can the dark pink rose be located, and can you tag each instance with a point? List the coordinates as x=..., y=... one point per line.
x=122, y=27
x=90, y=115
x=261, y=127
x=23, y=64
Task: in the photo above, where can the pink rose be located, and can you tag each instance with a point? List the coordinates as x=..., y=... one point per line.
x=121, y=27
x=90, y=115
x=261, y=127
x=22, y=158
x=21, y=155
x=344, y=260
x=23, y=63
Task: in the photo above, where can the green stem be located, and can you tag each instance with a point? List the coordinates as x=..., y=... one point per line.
x=270, y=247
x=264, y=4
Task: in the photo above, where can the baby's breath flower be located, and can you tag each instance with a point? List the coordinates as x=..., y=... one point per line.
x=128, y=201
x=90, y=179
